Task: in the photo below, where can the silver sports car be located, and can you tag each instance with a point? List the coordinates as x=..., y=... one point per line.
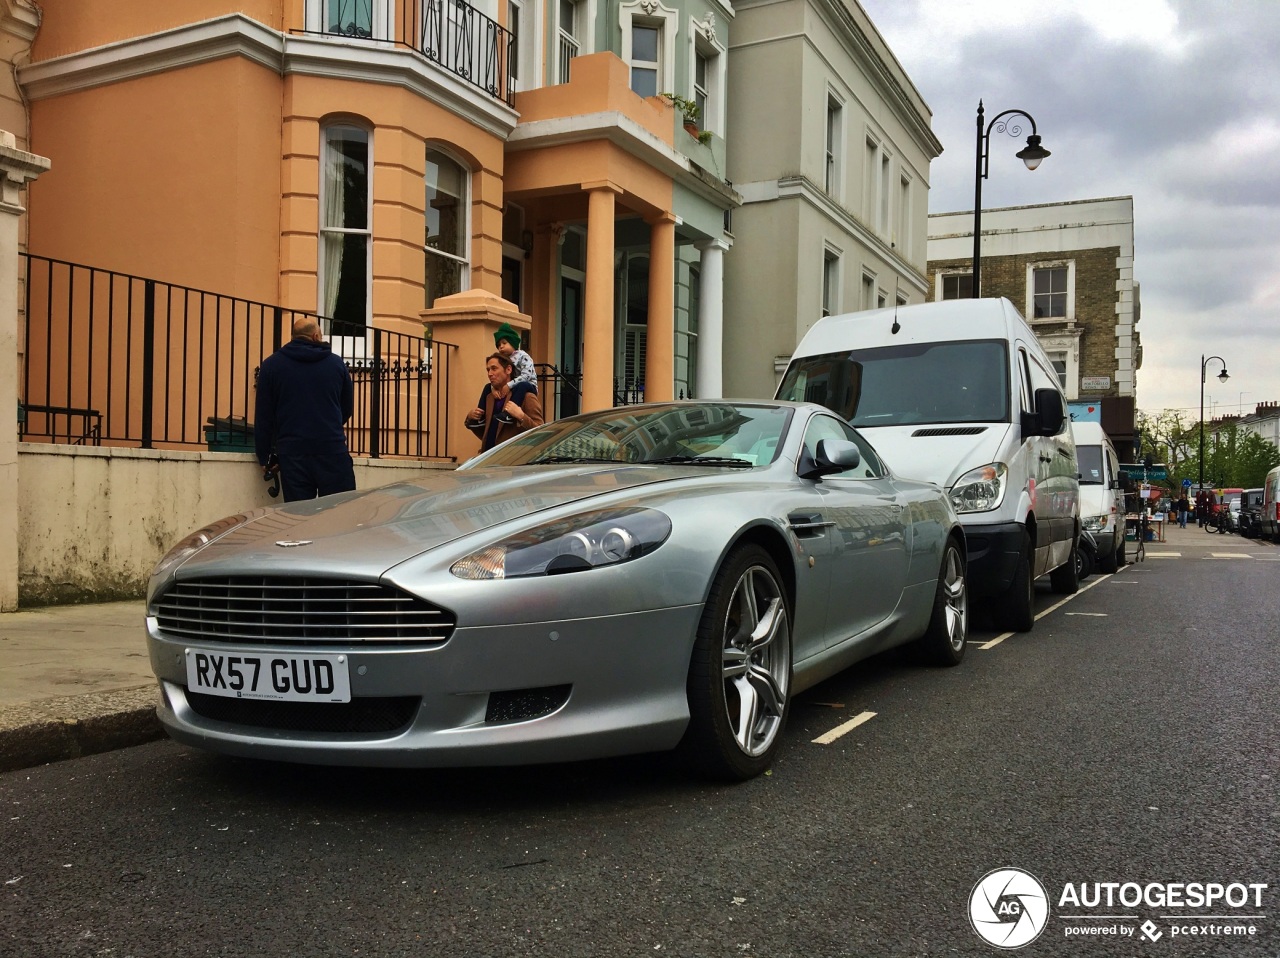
x=635, y=580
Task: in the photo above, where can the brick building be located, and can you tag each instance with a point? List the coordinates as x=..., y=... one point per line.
x=1069, y=268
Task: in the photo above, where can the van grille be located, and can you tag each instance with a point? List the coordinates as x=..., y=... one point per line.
x=293, y=610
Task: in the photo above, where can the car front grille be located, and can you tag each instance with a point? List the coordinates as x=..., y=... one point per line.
x=292, y=610
x=366, y=716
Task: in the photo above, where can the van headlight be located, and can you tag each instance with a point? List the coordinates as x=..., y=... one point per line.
x=1095, y=523
x=588, y=541
x=981, y=489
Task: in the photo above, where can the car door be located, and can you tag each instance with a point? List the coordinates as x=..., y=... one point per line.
x=870, y=537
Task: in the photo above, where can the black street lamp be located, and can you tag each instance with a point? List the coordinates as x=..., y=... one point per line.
x=1222, y=378
x=1031, y=155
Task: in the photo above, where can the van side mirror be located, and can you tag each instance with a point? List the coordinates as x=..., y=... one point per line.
x=833, y=455
x=1049, y=417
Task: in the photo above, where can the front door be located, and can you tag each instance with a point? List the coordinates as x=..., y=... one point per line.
x=570, y=363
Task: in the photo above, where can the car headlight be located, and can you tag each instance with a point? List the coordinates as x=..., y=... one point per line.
x=1096, y=523
x=587, y=541
x=190, y=546
x=981, y=489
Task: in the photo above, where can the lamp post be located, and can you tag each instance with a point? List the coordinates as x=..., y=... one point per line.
x=1222, y=378
x=1031, y=155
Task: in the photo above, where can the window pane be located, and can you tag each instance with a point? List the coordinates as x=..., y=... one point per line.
x=644, y=44
x=644, y=82
x=347, y=178
x=446, y=205
x=351, y=18
x=444, y=277
x=347, y=280
x=567, y=18
x=700, y=70
x=957, y=287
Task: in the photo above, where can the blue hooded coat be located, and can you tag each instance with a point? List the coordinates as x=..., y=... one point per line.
x=304, y=397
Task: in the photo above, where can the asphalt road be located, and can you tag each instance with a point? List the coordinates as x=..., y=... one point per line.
x=1130, y=738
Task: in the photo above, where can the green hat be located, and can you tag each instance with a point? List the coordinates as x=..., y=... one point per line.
x=507, y=331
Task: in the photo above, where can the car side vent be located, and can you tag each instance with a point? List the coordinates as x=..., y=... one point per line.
x=286, y=609
x=951, y=431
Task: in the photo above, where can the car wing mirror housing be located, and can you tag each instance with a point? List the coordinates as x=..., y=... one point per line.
x=833, y=455
x=1049, y=417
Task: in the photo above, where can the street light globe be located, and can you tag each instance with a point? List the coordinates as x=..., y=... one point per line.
x=1222, y=376
x=1033, y=152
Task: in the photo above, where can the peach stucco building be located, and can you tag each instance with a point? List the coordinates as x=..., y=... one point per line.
x=398, y=165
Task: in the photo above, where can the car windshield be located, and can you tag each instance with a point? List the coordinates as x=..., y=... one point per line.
x=1090, y=465
x=738, y=435
x=951, y=382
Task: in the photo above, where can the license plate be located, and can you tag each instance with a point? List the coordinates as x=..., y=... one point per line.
x=277, y=676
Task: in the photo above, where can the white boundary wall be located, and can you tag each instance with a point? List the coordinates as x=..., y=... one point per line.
x=93, y=521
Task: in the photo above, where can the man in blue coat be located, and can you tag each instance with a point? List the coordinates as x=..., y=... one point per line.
x=304, y=397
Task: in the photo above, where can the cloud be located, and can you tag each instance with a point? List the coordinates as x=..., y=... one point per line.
x=1173, y=102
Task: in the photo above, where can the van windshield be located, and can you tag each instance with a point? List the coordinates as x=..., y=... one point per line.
x=952, y=382
x=1089, y=459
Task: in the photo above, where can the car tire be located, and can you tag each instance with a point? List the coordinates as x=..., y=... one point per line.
x=739, y=685
x=947, y=636
x=1065, y=579
x=1015, y=606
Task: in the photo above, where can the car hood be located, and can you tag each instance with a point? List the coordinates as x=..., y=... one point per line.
x=366, y=533
x=940, y=454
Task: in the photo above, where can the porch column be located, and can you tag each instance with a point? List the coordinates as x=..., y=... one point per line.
x=16, y=169
x=710, y=381
x=660, y=341
x=597, y=326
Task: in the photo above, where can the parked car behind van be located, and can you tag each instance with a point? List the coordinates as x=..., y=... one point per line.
x=961, y=393
x=1101, y=502
x=1250, y=525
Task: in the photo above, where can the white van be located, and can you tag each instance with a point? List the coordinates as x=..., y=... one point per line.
x=1101, y=502
x=961, y=393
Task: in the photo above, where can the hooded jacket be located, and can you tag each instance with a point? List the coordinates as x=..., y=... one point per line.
x=304, y=396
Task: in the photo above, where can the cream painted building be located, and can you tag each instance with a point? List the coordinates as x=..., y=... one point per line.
x=829, y=147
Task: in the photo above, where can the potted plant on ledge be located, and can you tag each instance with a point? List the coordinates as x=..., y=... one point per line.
x=689, y=110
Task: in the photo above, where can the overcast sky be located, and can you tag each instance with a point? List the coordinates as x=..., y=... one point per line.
x=1173, y=102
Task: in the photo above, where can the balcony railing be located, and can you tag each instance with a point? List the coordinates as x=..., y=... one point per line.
x=115, y=359
x=452, y=33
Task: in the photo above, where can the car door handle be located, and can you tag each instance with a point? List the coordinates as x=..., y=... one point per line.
x=808, y=524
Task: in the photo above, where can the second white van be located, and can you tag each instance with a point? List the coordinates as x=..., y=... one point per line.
x=960, y=393
x=1101, y=501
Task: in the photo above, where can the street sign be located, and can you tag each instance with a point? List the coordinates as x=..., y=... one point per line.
x=1158, y=472
x=1186, y=483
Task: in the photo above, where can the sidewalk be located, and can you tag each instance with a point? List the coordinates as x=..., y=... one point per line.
x=74, y=680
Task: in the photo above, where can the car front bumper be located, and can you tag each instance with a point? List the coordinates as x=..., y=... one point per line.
x=606, y=685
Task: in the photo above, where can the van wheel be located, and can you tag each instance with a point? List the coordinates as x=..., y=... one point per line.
x=1084, y=563
x=1112, y=561
x=1014, y=608
x=1066, y=578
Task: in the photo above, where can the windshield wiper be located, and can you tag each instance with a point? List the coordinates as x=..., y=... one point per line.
x=699, y=461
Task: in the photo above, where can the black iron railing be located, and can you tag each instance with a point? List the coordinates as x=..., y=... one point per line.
x=111, y=358
x=452, y=33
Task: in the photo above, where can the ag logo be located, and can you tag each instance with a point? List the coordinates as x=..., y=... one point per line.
x=1008, y=908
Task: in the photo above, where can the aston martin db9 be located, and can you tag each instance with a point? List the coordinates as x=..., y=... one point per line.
x=647, y=578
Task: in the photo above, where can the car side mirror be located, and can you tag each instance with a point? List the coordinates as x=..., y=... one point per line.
x=833, y=455
x=1049, y=417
